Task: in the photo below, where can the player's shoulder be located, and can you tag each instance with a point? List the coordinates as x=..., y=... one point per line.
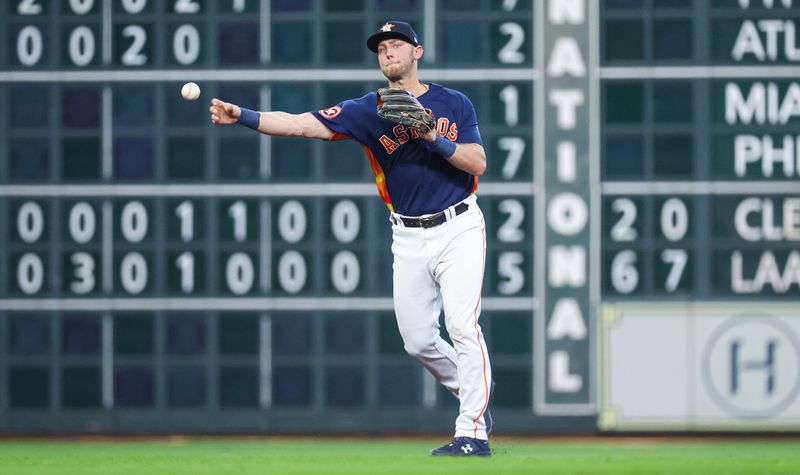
x=349, y=107
x=449, y=94
x=367, y=101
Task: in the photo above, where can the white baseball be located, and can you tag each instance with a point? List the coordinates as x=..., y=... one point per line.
x=190, y=91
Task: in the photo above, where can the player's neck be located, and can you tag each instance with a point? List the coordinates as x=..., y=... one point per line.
x=412, y=85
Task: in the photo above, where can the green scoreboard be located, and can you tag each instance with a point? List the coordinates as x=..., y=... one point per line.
x=161, y=273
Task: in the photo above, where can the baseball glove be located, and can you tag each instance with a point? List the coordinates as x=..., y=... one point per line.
x=401, y=107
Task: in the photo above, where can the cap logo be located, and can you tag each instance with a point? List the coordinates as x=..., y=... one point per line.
x=387, y=27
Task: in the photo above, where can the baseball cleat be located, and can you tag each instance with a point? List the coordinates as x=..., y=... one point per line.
x=488, y=420
x=464, y=446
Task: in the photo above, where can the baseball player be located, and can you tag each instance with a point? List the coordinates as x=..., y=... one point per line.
x=424, y=147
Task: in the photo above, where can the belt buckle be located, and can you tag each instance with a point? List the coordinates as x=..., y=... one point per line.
x=428, y=223
x=434, y=220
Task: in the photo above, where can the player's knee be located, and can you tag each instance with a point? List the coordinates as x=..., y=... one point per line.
x=466, y=334
x=416, y=348
x=418, y=343
x=460, y=333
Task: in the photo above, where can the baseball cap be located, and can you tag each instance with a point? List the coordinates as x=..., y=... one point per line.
x=393, y=29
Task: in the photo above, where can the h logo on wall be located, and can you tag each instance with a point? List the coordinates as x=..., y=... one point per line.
x=751, y=366
x=765, y=366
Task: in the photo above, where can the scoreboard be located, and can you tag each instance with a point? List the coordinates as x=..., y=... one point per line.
x=700, y=216
x=161, y=273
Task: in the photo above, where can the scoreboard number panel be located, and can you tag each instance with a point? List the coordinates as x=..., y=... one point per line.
x=81, y=256
x=643, y=161
x=187, y=223
x=513, y=158
x=510, y=222
x=649, y=245
x=122, y=204
x=133, y=44
x=82, y=33
x=134, y=262
x=294, y=224
x=29, y=253
x=348, y=265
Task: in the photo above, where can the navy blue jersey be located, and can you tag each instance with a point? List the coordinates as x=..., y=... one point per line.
x=411, y=180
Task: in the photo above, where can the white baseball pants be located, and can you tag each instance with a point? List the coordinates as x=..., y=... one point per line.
x=440, y=267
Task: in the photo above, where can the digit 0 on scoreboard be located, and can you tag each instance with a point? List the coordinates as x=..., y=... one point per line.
x=136, y=261
x=295, y=231
x=347, y=248
x=29, y=252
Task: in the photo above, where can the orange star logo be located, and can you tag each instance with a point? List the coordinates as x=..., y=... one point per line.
x=387, y=27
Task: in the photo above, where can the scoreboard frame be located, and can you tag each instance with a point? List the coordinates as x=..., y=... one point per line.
x=557, y=75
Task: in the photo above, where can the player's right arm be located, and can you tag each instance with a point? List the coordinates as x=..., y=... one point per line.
x=281, y=124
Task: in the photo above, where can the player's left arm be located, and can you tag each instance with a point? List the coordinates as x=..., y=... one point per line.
x=469, y=157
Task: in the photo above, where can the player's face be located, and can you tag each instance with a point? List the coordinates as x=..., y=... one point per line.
x=396, y=58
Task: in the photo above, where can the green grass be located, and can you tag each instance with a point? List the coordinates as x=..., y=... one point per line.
x=174, y=456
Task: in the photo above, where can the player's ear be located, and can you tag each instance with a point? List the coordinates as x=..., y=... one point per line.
x=418, y=51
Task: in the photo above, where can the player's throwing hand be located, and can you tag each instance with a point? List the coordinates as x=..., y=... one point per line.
x=224, y=113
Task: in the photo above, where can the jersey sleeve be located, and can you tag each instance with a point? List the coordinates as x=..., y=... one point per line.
x=340, y=119
x=468, y=121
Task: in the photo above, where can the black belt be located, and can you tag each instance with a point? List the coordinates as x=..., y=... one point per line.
x=429, y=221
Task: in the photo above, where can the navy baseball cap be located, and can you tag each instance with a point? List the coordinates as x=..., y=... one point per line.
x=393, y=29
